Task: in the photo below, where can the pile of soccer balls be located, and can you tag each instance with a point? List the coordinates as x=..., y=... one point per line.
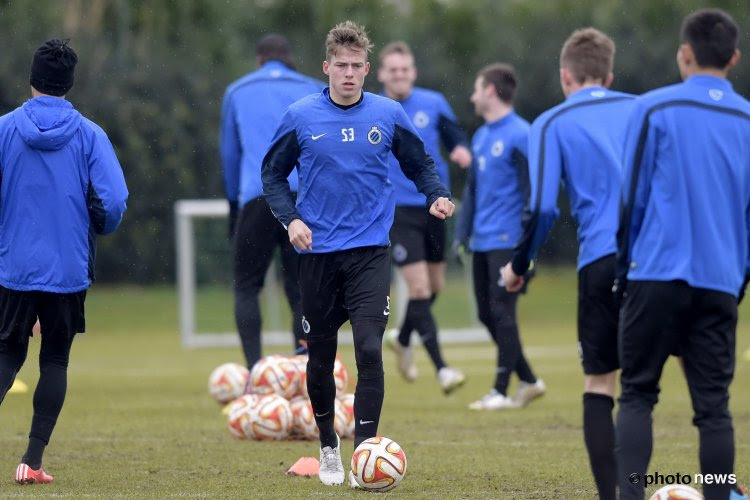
x=270, y=402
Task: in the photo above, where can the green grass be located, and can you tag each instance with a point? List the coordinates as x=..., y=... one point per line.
x=138, y=421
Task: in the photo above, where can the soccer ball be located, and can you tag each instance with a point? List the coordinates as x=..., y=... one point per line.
x=676, y=492
x=378, y=464
x=347, y=401
x=238, y=415
x=300, y=361
x=227, y=382
x=274, y=375
x=341, y=376
x=304, y=421
x=270, y=418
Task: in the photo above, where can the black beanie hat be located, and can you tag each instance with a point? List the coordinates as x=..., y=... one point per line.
x=52, y=68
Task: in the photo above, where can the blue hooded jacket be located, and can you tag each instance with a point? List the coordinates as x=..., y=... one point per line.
x=60, y=185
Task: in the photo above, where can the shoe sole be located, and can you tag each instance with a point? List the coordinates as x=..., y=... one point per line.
x=448, y=390
x=532, y=398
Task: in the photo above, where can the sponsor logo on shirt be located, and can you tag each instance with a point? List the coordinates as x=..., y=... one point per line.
x=421, y=120
x=598, y=93
x=374, y=136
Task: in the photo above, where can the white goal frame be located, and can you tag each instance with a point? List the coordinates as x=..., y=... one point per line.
x=185, y=212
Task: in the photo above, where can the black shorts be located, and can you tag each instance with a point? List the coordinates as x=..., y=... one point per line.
x=661, y=317
x=597, y=317
x=58, y=314
x=346, y=285
x=258, y=234
x=416, y=236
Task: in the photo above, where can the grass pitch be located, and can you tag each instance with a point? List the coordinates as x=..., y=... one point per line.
x=138, y=420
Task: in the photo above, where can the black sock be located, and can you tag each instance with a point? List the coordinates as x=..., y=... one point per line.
x=599, y=436
x=633, y=441
x=523, y=369
x=247, y=317
x=717, y=457
x=404, y=333
x=33, y=455
x=423, y=321
x=11, y=360
x=368, y=396
x=321, y=387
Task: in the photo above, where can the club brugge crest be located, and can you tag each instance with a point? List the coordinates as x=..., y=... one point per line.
x=716, y=94
x=497, y=148
x=421, y=120
x=374, y=136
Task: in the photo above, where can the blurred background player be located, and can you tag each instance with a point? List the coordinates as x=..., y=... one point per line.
x=341, y=141
x=417, y=238
x=490, y=223
x=580, y=142
x=251, y=111
x=61, y=184
x=683, y=248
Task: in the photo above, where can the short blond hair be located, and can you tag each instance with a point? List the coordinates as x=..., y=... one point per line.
x=398, y=47
x=588, y=54
x=347, y=34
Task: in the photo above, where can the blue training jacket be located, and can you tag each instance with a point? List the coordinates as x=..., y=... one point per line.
x=686, y=188
x=345, y=195
x=250, y=114
x=497, y=185
x=60, y=186
x=435, y=122
x=578, y=142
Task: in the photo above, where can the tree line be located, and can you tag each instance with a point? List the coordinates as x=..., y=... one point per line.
x=153, y=74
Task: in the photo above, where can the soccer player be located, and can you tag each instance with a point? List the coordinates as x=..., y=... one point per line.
x=417, y=238
x=493, y=202
x=580, y=142
x=341, y=140
x=683, y=248
x=60, y=186
x=251, y=111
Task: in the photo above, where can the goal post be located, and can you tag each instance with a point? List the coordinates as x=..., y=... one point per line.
x=186, y=212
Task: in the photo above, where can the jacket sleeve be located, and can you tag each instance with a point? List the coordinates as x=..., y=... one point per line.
x=416, y=164
x=465, y=221
x=278, y=163
x=638, y=160
x=230, y=149
x=545, y=165
x=451, y=134
x=107, y=192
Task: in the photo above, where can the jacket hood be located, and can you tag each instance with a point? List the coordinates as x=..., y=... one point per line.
x=47, y=123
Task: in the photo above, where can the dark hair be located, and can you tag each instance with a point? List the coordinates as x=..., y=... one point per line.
x=588, y=54
x=712, y=34
x=503, y=77
x=274, y=47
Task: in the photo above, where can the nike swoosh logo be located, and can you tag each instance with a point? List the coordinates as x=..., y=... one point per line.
x=365, y=422
x=316, y=137
x=322, y=414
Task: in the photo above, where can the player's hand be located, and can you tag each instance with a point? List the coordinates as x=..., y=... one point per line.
x=300, y=235
x=442, y=208
x=513, y=282
x=461, y=156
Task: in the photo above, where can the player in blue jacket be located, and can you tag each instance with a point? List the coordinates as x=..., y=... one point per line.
x=340, y=140
x=251, y=111
x=683, y=248
x=490, y=223
x=417, y=238
x=60, y=186
x=579, y=142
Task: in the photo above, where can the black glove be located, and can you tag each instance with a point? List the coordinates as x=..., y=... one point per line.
x=233, y=213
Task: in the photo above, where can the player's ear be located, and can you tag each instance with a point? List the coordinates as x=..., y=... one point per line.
x=367, y=68
x=325, y=67
x=734, y=60
x=608, y=81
